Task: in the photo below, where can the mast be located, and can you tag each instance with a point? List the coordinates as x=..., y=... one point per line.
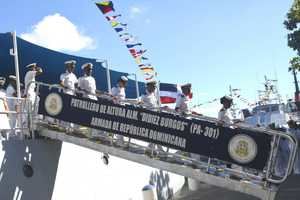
x=15, y=54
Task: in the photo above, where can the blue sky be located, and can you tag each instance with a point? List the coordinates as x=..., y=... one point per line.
x=210, y=43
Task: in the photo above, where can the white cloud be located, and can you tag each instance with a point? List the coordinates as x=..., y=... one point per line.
x=134, y=11
x=58, y=33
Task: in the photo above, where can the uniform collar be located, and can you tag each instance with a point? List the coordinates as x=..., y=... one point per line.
x=148, y=93
x=69, y=72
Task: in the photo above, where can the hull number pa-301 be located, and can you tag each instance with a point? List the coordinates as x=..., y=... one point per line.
x=205, y=131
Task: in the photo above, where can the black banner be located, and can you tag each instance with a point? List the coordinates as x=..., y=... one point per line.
x=241, y=146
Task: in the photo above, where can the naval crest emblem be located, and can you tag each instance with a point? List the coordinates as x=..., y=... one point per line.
x=53, y=104
x=242, y=148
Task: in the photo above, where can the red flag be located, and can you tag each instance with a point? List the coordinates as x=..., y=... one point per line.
x=105, y=7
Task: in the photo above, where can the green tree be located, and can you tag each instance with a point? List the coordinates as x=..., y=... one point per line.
x=294, y=67
x=292, y=25
x=295, y=64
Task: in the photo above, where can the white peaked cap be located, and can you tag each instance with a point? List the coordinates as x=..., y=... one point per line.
x=123, y=78
x=12, y=77
x=86, y=65
x=31, y=65
x=2, y=80
x=70, y=62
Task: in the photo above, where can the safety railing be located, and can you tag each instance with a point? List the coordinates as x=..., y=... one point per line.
x=267, y=175
x=16, y=118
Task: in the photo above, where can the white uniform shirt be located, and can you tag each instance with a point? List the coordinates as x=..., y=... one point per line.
x=182, y=102
x=10, y=91
x=3, y=117
x=30, y=87
x=149, y=100
x=69, y=80
x=225, y=115
x=119, y=93
x=88, y=84
x=2, y=100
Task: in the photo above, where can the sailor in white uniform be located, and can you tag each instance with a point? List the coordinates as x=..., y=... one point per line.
x=4, y=125
x=150, y=100
x=87, y=83
x=224, y=115
x=119, y=95
x=118, y=92
x=68, y=80
x=34, y=70
x=183, y=100
x=11, y=94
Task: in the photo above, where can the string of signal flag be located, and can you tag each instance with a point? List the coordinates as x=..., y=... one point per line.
x=134, y=47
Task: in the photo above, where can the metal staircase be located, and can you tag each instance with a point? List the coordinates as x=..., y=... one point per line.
x=234, y=180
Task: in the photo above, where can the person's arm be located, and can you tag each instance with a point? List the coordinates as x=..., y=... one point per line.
x=178, y=102
x=62, y=79
x=6, y=106
x=76, y=83
x=220, y=117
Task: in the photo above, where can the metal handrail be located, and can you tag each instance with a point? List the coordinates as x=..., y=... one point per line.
x=20, y=113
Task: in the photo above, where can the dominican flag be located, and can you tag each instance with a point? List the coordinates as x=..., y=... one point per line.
x=168, y=93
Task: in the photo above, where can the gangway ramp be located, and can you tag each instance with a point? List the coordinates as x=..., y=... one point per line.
x=170, y=162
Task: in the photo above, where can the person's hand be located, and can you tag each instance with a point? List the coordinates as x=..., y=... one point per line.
x=195, y=113
x=237, y=121
x=39, y=69
x=220, y=123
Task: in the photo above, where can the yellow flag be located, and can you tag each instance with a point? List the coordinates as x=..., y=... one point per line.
x=138, y=60
x=114, y=23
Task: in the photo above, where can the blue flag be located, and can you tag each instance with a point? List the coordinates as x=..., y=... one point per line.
x=129, y=46
x=119, y=29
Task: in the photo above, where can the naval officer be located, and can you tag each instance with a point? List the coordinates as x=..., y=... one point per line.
x=149, y=100
x=11, y=94
x=119, y=95
x=224, y=115
x=4, y=125
x=183, y=99
x=87, y=83
x=33, y=71
x=68, y=80
x=118, y=92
